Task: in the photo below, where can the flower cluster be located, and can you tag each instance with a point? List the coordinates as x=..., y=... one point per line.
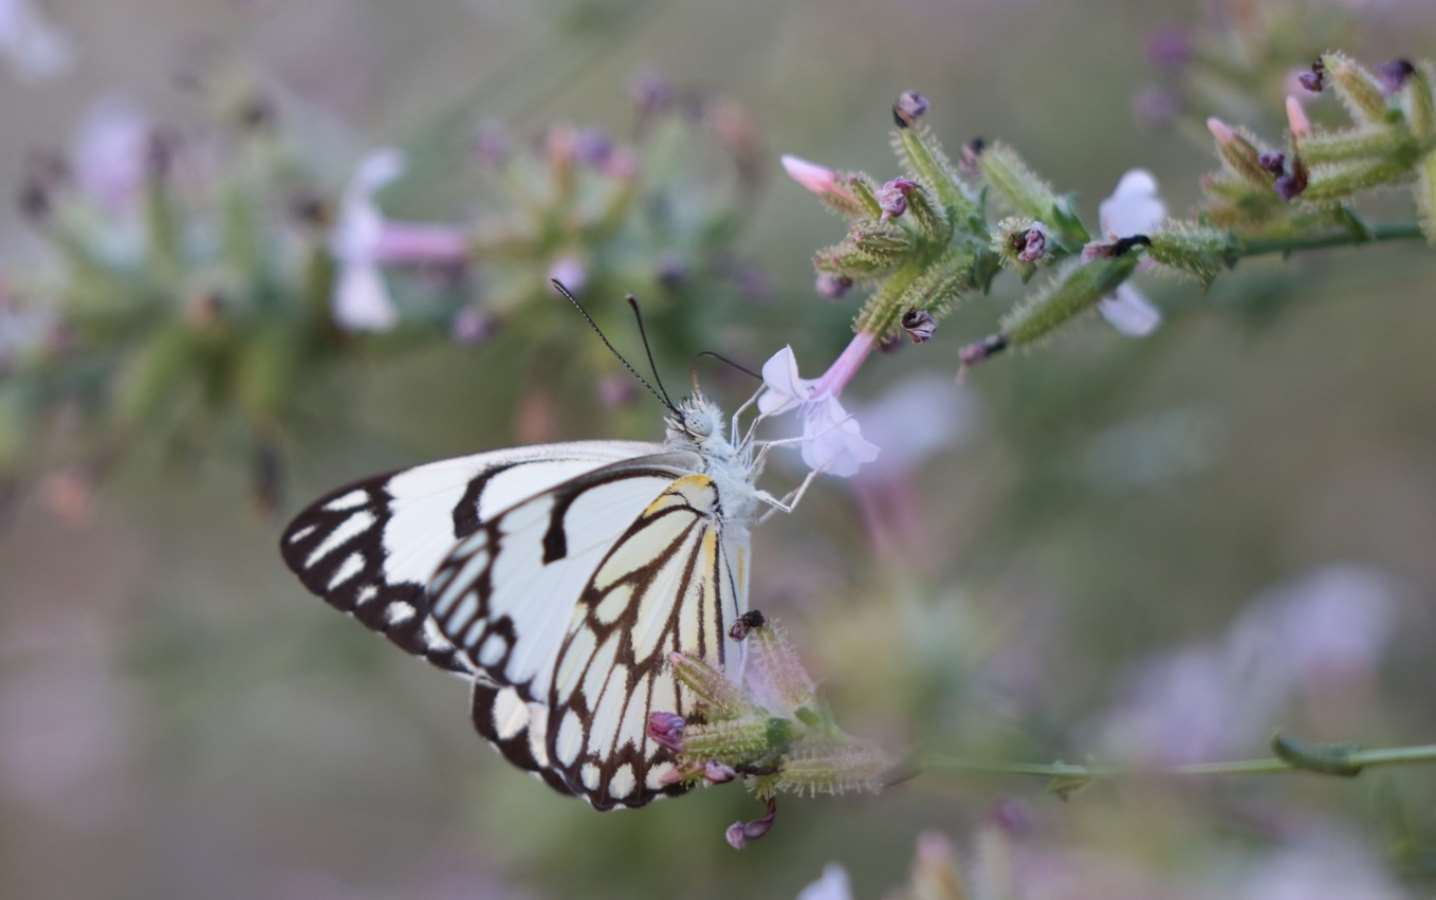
x=764, y=723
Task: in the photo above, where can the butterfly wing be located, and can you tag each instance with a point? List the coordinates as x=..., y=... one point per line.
x=673, y=582
x=369, y=548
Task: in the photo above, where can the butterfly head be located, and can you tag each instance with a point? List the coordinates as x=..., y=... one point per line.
x=697, y=424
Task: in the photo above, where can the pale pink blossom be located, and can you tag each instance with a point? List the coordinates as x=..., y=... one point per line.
x=818, y=179
x=832, y=439
x=109, y=154
x=1134, y=208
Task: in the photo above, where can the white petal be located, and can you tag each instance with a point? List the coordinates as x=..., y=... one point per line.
x=361, y=301
x=833, y=885
x=376, y=170
x=1134, y=207
x=785, y=389
x=1130, y=312
x=361, y=222
x=832, y=441
x=37, y=49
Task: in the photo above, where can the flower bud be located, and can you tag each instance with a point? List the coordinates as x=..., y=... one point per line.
x=1075, y=290
x=982, y=350
x=1240, y=154
x=892, y=197
x=919, y=325
x=1314, y=79
x=733, y=740
x=1198, y=250
x=775, y=675
x=1395, y=74
x=1023, y=190
x=870, y=249
x=1336, y=182
x=832, y=286
x=1420, y=108
x=834, y=769
x=666, y=729
x=825, y=183
x=969, y=161
x=1296, y=119
x=1426, y=195
x=740, y=833
x=492, y=145
x=1274, y=161
x=715, y=772
x=719, y=696
x=473, y=326
x=910, y=107
x=1358, y=89
x=593, y=147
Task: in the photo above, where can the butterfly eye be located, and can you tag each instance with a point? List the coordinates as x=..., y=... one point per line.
x=698, y=427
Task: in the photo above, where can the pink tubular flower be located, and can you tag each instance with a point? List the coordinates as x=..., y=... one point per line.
x=1134, y=208
x=364, y=240
x=821, y=180
x=832, y=440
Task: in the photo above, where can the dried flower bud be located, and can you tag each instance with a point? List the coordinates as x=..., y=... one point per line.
x=982, y=350
x=1314, y=79
x=740, y=833
x=666, y=729
x=747, y=622
x=972, y=152
x=910, y=107
x=1034, y=245
x=1395, y=74
x=919, y=325
x=892, y=197
x=831, y=285
x=1274, y=161
x=1293, y=183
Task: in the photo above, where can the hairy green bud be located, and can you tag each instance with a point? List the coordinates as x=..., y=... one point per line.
x=1076, y=289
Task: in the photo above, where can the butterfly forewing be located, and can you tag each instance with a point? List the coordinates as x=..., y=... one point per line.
x=370, y=548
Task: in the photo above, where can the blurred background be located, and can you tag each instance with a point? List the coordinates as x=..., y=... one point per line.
x=1152, y=551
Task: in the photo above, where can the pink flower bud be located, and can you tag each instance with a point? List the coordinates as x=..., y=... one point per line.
x=1221, y=131
x=819, y=179
x=910, y=107
x=831, y=285
x=740, y=833
x=1034, y=245
x=667, y=729
x=892, y=197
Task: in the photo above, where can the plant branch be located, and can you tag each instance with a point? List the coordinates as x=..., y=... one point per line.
x=1291, y=756
x=1404, y=231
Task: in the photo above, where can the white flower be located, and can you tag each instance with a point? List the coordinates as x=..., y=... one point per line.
x=109, y=153
x=1134, y=208
x=361, y=301
x=34, y=46
x=832, y=440
x=833, y=885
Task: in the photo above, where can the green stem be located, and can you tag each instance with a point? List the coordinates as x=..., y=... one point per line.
x=1356, y=759
x=1404, y=231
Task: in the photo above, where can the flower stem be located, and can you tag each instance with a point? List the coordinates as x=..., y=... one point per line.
x=1353, y=759
x=1260, y=247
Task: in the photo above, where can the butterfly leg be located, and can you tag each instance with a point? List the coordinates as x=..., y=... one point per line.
x=738, y=413
x=789, y=502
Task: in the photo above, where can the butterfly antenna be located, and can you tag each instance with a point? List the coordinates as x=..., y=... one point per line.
x=568, y=295
x=648, y=349
x=726, y=361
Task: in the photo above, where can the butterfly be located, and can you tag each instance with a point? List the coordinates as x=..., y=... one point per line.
x=558, y=580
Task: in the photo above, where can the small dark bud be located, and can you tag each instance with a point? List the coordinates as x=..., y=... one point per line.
x=746, y=623
x=832, y=286
x=1290, y=186
x=1122, y=245
x=257, y=113
x=715, y=772
x=652, y=94
x=971, y=153
x=672, y=271
x=667, y=729
x=1315, y=79
x=593, y=147
x=33, y=198
x=988, y=347
x=309, y=208
x=160, y=149
x=910, y=107
x=1395, y=74
x=1273, y=161
x=919, y=325
x=267, y=468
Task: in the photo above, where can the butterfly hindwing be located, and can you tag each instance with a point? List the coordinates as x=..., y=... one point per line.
x=666, y=585
x=370, y=548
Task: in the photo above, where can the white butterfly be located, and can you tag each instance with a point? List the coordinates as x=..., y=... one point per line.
x=558, y=579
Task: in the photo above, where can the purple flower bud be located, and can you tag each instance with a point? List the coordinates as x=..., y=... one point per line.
x=1288, y=187
x=160, y=149
x=667, y=729
x=718, y=773
x=892, y=197
x=1273, y=161
x=919, y=325
x=740, y=833
x=1012, y=816
x=1169, y=47
x=1033, y=245
x=831, y=285
x=671, y=271
x=1315, y=79
x=473, y=326
x=651, y=93
x=746, y=623
x=910, y=107
x=1156, y=107
x=593, y=147
x=1395, y=73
